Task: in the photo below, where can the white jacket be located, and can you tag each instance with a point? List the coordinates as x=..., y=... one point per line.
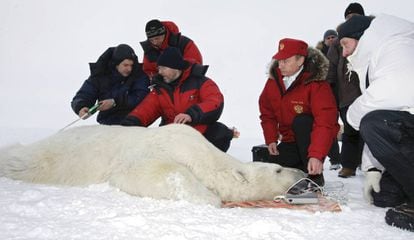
x=386, y=51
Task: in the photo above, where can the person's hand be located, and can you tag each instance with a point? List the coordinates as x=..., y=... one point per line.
x=315, y=166
x=106, y=104
x=236, y=133
x=182, y=118
x=83, y=113
x=372, y=182
x=272, y=147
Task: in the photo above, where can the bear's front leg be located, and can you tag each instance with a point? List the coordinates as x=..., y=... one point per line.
x=160, y=179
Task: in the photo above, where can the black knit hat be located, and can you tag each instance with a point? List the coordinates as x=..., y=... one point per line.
x=354, y=27
x=172, y=58
x=122, y=52
x=354, y=8
x=154, y=28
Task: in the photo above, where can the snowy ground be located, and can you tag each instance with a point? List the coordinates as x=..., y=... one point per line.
x=32, y=211
x=45, y=47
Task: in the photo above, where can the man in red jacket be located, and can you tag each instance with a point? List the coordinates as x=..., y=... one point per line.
x=183, y=94
x=162, y=35
x=298, y=108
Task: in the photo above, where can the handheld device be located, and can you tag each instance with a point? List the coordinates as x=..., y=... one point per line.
x=304, y=198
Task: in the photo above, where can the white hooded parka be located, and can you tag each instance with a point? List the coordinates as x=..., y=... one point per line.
x=386, y=52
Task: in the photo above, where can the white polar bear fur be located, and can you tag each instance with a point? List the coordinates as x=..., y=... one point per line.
x=170, y=162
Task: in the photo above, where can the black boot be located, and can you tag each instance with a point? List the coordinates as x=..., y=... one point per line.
x=401, y=216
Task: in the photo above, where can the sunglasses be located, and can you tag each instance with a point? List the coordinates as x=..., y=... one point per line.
x=304, y=191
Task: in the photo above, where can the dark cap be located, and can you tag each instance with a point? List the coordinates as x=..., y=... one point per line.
x=172, y=58
x=354, y=27
x=330, y=32
x=154, y=28
x=354, y=8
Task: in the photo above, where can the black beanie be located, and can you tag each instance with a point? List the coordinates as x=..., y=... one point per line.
x=354, y=8
x=172, y=58
x=154, y=28
x=354, y=27
x=122, y=52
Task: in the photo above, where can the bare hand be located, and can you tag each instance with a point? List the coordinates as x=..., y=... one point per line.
x=272, y=147
x=315, y=166
x=182, y=118
x=82, y=113
x=106, y=104
x=236, y=133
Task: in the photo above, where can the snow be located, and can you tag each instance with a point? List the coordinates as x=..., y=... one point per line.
x=35, y=211
x=45, y=46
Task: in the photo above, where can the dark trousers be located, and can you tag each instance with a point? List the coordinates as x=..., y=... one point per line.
x=334, y=155
x=295, y=154
x=390, y=138
x=219, y=135
x=352, y=144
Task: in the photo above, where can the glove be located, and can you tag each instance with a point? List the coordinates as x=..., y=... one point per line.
x=372, y=182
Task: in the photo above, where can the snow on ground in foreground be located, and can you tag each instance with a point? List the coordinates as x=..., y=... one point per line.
x=32, y=211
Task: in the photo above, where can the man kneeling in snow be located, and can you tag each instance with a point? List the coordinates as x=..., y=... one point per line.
x=183, y=94
x=381, y=52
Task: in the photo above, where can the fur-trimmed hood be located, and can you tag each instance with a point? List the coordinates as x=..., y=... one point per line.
x=315, y=63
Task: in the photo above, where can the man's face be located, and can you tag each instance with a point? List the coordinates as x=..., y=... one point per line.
x=168, y=74
x=290, y=66
x=330, y=40
x=125, y=67
x=157, y=40
x=348, y=46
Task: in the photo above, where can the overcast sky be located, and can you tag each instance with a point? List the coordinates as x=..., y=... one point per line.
x=45, y=47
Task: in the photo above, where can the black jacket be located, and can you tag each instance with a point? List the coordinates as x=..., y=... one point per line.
x=105, y=82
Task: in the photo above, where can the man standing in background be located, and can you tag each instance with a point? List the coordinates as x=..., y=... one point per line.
x=162, y=35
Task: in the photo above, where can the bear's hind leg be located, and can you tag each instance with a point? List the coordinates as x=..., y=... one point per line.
x=163, y=180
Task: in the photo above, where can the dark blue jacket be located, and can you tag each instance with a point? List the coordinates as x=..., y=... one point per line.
x=105, y=82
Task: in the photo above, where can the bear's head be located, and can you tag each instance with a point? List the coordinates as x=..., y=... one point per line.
x=259, y=181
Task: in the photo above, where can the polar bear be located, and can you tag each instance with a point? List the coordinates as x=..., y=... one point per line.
x=170, y=162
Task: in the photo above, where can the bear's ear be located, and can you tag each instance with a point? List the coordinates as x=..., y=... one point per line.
x=239, y=176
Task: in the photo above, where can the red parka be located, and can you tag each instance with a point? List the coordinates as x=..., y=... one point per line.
x=308, y=94
x=193, y=93
x=173, y=38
